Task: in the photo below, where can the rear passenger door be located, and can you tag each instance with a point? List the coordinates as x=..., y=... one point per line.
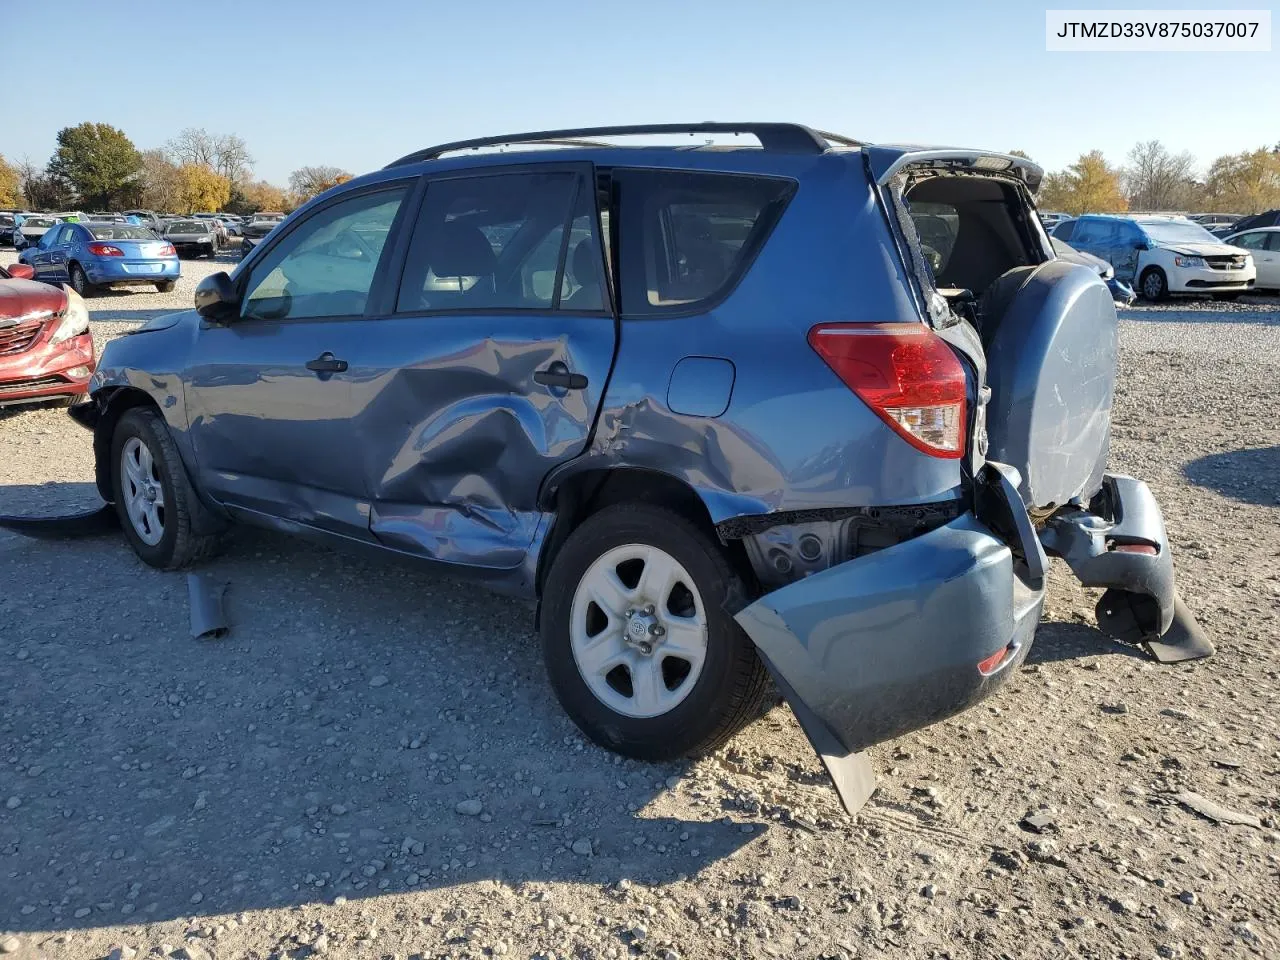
x=486, y=367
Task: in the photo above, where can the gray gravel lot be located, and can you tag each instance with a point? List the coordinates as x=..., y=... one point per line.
x=372, y=763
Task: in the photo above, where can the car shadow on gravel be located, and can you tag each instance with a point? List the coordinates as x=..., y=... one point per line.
x=1073, y=641
x=324, y=748
x=1249, y=475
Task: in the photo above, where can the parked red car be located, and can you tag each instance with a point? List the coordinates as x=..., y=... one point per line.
x=46, y=350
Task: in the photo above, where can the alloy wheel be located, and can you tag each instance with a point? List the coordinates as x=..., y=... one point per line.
x=142, y=490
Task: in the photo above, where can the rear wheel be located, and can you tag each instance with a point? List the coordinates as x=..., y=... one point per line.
x=80, y=282
x=152, y=495
x=166, y=286
x=638, y=638
x=1154, y=284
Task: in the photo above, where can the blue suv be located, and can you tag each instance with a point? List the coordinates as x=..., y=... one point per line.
x=805, y=412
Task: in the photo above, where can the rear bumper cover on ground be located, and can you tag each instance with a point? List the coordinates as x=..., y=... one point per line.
x=884, y=644
x=888, y=643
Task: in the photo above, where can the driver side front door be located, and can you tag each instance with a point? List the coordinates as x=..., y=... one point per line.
x=269, y=395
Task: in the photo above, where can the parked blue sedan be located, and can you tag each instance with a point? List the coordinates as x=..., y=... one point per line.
x=91, y=256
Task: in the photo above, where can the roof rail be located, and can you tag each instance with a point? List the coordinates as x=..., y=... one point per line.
x=773, y=137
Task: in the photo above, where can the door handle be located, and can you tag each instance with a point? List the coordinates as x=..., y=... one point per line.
x=558, y=375
x=327, y=363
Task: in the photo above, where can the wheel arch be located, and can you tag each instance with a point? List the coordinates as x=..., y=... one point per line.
x=113, y=402
x=574, y=496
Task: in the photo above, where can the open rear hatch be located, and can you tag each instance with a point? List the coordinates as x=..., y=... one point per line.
x=882, y=644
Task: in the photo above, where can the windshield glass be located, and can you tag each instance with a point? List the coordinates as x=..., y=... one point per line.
x=1174, y=231
x=120, y=231
x=39, y=222
x=187, y=226
x=267, y=218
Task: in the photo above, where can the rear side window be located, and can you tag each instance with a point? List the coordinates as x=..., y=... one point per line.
x=687, y=238
x=1064, y=230
x=503, y=242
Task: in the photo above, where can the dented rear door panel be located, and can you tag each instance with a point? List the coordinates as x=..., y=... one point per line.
x=456, y=433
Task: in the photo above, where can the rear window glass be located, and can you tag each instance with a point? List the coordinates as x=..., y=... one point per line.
x=188, y=226
x=35, y=222
x=687, y=237
x=120, y=231
x=937, y=225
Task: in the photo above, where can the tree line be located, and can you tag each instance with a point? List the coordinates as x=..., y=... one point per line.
x=1155, y=179
x=97, y=167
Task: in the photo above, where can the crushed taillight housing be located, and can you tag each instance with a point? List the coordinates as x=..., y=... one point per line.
x=904, y=372
x=105, y=250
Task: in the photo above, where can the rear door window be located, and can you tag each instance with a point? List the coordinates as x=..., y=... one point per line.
x=687, y=238
x=1065, y=229
x=503, y=241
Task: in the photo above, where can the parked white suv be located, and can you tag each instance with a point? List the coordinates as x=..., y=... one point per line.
x=1163, y=255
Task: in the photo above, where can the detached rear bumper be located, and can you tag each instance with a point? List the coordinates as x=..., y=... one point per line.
x=894, y=641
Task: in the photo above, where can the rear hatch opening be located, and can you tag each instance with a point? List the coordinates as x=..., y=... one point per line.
x=1037, y=333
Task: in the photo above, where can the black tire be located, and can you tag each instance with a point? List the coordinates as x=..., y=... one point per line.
x=734, y=687
x=80, y=281
x=180, y=545
x=1153, y=285
x=1226, y=297
x=166, y=286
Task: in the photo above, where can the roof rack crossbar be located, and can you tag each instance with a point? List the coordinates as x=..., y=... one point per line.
x=773, y=137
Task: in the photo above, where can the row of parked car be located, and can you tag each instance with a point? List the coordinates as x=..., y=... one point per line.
x=96, y=251
x=1160, y=255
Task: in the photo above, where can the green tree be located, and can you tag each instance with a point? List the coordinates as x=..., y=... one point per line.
x=10, y=184
x=200, y=188
x=98, y=162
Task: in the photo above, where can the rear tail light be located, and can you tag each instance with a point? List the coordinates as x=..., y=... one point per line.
x=906, y=373
x=105, y=250
x=168, y=251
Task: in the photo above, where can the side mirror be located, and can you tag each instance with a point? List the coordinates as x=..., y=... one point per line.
x=216, y=298
x=21, y=271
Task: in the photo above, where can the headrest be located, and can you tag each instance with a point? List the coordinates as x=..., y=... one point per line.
x=586, y=268
x=461, y=250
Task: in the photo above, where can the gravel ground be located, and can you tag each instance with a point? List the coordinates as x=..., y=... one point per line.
x=372, y=764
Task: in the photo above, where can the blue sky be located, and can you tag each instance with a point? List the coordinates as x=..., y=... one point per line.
x=358, y=84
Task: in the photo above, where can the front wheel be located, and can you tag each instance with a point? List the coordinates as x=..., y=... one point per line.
x=1154, y=284
x=639, y=639
x=152, y=495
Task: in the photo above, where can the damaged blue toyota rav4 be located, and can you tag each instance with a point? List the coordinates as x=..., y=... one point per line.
x=791, y=412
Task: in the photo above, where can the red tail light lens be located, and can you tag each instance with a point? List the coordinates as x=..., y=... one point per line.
x=905, y=373
x=105, y=250
x=168, y=251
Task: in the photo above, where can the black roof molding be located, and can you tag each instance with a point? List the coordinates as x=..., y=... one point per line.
x=773, y=137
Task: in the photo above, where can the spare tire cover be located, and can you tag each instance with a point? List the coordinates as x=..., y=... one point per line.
x=1051, y=366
